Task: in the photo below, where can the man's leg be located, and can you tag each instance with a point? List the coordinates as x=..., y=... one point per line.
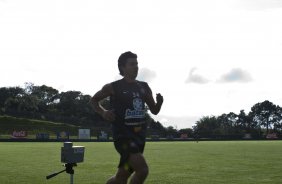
x=139, y=165
x=121, y=177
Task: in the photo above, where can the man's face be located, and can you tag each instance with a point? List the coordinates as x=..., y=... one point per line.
x=131, y=68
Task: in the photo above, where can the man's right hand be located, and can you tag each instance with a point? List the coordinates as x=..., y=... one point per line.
x=108, y=115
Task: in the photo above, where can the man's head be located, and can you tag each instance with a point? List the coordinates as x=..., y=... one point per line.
x=128, y=65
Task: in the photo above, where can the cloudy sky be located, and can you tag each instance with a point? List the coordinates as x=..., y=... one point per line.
x=206, y=57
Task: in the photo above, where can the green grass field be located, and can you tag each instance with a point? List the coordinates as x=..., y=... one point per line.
x=225, y=162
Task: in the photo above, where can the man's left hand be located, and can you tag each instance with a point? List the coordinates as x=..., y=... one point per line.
x=159, y=98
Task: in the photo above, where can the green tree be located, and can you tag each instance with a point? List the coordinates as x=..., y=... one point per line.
x=228, y=123
x=171, y=132
x=10, y=99
x=277, y=125
x=47, y=95
x=207, y=126
x=245, y=121
x=188, y=131
x=265, y=114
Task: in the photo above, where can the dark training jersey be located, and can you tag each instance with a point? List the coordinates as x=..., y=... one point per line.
x=128, y=104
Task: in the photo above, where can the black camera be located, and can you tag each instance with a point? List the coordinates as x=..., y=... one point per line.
x=72, y=154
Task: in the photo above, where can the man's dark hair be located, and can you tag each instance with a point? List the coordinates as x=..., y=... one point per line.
x=123, y=59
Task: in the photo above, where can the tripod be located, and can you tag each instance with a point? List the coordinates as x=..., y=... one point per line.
x=68, y=169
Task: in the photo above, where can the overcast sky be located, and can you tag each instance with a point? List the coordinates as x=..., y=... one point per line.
x=206, y=57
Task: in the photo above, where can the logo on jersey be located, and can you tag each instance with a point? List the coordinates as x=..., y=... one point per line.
x=138, y=111
x=137, y=104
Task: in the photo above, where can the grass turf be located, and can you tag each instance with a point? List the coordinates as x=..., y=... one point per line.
x=232, y=162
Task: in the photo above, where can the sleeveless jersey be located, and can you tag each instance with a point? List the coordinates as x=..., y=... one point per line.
x=128, y=104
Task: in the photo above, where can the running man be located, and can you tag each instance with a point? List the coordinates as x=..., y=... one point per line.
x=127, y=115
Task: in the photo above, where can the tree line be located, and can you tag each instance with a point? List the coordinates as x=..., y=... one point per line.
x=73, y=107
x=44, y=102
x=263, y=119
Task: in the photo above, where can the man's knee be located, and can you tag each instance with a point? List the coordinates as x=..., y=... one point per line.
x=142, y=172
x=121, y=180
x=122, y=176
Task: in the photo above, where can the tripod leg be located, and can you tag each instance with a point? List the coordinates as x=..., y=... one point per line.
x=55, y=174
x=71, y=179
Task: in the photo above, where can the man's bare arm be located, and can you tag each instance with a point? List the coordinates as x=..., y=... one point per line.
x=153, y=106
x=105, y=92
